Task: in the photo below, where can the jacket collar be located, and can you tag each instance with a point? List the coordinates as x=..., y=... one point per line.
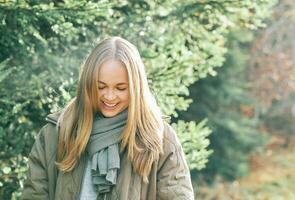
x=53, y=117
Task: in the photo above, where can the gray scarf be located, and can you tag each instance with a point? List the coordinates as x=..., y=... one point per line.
x=103, y=149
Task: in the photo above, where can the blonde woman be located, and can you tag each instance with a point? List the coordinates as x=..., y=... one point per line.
x=111, y=141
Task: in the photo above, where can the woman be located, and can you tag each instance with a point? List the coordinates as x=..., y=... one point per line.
x=111, y=141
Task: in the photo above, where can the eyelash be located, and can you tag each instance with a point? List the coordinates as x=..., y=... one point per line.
x=121, y=89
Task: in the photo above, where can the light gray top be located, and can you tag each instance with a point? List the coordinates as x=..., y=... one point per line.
x=88, y=191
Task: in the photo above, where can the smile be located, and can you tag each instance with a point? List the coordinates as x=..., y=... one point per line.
x=109, y=106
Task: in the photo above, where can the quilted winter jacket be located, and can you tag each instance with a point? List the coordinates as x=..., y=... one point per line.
x=169, y=178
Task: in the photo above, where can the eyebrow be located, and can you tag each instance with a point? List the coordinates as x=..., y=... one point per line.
x=123, y=83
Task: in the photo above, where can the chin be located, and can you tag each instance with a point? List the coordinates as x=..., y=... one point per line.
x=109, y=114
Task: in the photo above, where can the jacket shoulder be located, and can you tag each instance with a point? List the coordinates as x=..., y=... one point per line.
x=53, y=117
x=171, y=144
x=47, y=137
x=173, y=175
x=170, y=138
x=50, y=130
x=42, y=171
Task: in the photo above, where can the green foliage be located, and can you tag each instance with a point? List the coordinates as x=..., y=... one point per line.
x=221, y=99
x=37, y=44
x=182, y=41
x=4, y=72
x=44, y=42
x=194, y=135
x=279, y=118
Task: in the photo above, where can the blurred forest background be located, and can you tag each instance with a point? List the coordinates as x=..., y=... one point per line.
x=223, y=69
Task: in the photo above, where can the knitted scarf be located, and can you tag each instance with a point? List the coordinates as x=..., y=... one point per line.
x=103, y=149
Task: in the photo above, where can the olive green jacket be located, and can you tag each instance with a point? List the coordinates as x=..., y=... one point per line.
x=169, y=177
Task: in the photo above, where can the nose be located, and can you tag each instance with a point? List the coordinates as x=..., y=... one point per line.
x=109, y=95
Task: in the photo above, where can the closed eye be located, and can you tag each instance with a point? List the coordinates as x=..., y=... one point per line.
x=121, y=89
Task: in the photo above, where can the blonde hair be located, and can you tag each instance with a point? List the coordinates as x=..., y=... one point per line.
x=143, y=133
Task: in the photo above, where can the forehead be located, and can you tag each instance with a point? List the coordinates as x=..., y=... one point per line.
x=113, y=72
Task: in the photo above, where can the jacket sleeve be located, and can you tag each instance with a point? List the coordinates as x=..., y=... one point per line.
x=173, y=178
x=36, y=184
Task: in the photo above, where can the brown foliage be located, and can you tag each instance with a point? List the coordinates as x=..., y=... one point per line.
x=273, y=56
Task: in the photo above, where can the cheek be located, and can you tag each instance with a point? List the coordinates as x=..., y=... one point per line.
x=124, y=97
x=99, y=95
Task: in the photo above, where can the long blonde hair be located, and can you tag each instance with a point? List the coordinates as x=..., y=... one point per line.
x=143, y=133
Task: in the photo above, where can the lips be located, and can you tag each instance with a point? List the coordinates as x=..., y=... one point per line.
x=109, y=106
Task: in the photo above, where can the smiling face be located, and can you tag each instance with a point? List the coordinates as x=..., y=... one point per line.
x=113, y=88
